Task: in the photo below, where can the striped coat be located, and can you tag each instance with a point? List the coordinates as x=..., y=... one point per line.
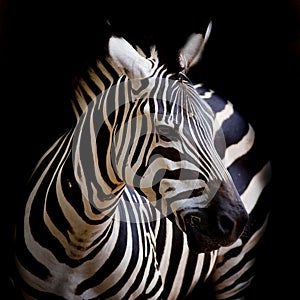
x=87, y=234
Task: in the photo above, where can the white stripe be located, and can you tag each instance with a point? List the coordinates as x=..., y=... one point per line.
x=237, y=288
x=256, y=186
x=164, y=266
x=87, y=89
x=233, y=261
x=198, y=271
x=95, y=78
x=80, y=98
x=225, y=113
x=233, y=152
x=176, y=287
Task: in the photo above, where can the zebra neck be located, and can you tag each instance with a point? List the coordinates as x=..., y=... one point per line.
x=93, y=158
x=79, y=182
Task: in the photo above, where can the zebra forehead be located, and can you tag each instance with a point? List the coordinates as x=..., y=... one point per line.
x=179, y=99
x=173, y=92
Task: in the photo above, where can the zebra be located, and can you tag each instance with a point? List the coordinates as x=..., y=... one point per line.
x=154, y=193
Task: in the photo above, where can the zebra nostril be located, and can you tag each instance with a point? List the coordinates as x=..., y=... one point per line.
x=196, y=222
x=170, y=189
x=226, y=224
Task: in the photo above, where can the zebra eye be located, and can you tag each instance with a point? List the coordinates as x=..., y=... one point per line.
x=167, y=133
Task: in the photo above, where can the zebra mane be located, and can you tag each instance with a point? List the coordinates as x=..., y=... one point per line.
x=103, y=73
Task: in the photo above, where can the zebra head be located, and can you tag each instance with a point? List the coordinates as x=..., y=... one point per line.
x=165, y=144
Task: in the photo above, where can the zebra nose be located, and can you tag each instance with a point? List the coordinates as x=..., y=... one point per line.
x=225, y=225
x=208, y=230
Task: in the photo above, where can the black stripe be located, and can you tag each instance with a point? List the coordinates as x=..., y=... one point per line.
x=245, y=167
x=174, y=260
x=234, y=129
x=91, y=84
x=216, y=103
x=26, y=258
x=188, y=274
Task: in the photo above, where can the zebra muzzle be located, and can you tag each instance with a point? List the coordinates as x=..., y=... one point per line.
x=207, y=231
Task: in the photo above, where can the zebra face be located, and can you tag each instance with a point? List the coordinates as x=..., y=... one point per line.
x=172, y=160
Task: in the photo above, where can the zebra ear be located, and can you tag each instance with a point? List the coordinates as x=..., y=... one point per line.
x=191, y=52
x=128, y=59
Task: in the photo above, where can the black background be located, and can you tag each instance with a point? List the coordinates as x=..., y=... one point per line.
x=252, y=59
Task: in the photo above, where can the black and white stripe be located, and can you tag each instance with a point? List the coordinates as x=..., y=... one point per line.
x=141, y=199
